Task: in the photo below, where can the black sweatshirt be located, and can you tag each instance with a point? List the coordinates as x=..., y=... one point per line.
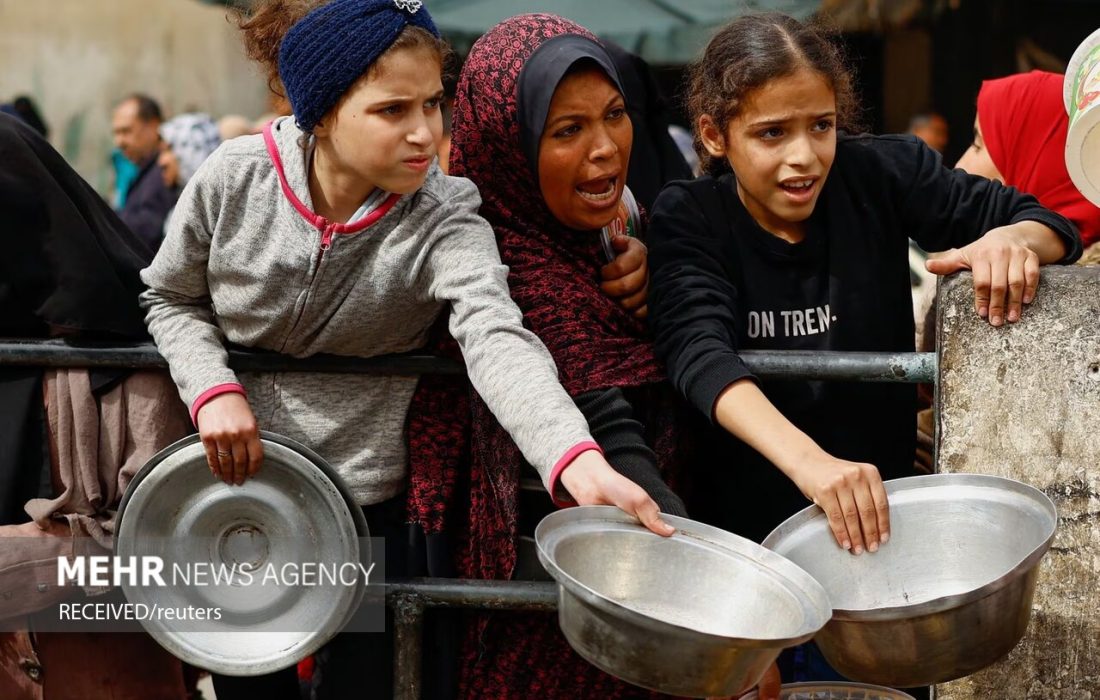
x=719, y=283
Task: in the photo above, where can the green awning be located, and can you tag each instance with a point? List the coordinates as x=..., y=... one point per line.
x=663, y=32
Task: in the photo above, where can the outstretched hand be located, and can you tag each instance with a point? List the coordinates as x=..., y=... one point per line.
x=853, y=498
x=591, y=481
x=1006, y=272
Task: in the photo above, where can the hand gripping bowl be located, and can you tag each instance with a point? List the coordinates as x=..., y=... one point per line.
x=701, y=613
x=296, y=509
x=949, y=594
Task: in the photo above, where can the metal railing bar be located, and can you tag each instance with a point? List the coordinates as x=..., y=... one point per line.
x=408, y=617
x=410, y=598
x=911, y=367
x=467, y=593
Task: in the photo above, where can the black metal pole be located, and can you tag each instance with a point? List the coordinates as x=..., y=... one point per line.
x=469, y=593
x=408, y=617
x=788, y=364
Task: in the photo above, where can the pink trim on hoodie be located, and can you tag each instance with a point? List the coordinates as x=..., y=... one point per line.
x=216, y=390
x=317, y=221
x=555, y=474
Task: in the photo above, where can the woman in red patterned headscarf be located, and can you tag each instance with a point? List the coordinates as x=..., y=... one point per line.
x=535, y=92
x=1020, y=139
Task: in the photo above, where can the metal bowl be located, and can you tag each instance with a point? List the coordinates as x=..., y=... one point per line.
x=835, y=691
x=701, y=613
x=949, y=594
x=295, y=509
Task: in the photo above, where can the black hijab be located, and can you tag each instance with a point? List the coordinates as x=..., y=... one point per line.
x=655, y=159
x=69, y=262
x=69, y=267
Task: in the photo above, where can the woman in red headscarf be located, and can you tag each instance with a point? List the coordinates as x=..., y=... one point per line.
x=1020, y=139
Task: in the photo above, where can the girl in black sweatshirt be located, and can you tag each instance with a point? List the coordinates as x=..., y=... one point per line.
x=797, y=240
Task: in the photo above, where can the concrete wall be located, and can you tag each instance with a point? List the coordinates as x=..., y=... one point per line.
x=1024, y=402
x=76, y=58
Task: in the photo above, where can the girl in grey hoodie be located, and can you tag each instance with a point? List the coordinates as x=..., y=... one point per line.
x=336, y=232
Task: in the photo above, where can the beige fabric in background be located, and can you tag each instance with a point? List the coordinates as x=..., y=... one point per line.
x=97, y=444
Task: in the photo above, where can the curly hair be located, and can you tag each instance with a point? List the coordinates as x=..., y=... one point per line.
x=748, y=53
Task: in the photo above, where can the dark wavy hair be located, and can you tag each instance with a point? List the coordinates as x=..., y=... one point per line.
x=748, y=53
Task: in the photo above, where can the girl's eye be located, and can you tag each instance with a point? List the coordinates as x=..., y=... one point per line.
x=392, y=109
x=432, y=104
x=772, y=132
x=823, y=126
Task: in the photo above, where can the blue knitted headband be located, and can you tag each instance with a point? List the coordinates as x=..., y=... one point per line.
x=326, y=51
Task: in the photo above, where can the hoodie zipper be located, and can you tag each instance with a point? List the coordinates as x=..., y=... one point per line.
x=327, y=229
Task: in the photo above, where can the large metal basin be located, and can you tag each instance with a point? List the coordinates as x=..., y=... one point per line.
x=701, y=613
x=949, y=594
x=296, y=509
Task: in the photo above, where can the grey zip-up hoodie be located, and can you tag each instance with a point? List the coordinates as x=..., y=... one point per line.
x=246, y=260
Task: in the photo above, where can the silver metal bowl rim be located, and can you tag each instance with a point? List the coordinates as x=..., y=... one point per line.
x=943, y=603
x=356, y=512
x=796, y=580
x=278, y=659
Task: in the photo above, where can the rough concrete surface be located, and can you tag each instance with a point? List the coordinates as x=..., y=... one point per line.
x=1023, y=401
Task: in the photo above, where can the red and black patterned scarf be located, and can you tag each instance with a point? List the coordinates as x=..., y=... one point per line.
x=456, y=446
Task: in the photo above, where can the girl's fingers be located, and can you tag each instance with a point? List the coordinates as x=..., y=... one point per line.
x=631, y=498
x=649, y=515
x=1031, y=277
x=239, y=450
x=212, y=458
x=868, y=516
x=849, y=510
x=882, y=508
x=224, y=455
x=998, y=290
x=981, y=288
x=1016, y=282
x=831, y=506
x=255, y=454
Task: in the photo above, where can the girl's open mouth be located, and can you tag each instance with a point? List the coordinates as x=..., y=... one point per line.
x=799, y=190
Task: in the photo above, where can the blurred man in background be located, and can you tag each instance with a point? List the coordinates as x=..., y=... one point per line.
x=136, y=127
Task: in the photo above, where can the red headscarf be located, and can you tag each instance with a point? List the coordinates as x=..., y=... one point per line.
x=1024, y=126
